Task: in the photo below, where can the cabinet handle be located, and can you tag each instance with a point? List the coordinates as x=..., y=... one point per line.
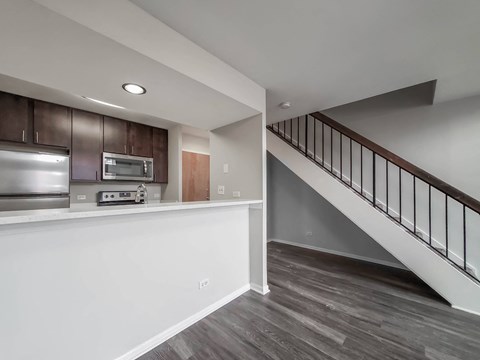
x=36, y=136
x=23, y=135
x=125, y=149
x=96, y=174
x=132, y=149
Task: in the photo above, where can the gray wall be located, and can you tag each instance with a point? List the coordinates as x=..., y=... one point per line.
x=240, y=146
x=295, y=209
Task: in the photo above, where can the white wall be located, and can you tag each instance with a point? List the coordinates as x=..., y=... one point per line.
x=442, y=138
x=195, y=144
x=173, y=190
x=98, y=288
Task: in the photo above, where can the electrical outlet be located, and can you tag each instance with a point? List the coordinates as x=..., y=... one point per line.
x=236, y=194
x=156, y=196
x=221, y=190
x=203, y=283
x=225, y=168
x=308, y=233
x=81, y=197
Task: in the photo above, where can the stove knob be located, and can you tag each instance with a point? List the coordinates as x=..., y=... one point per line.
x=112, y=196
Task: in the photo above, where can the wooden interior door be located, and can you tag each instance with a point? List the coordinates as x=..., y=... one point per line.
x=195, y=176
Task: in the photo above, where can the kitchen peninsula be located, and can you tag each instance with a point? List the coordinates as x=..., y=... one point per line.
x=97, y=271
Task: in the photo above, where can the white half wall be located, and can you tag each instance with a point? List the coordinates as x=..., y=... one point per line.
x=114, y=287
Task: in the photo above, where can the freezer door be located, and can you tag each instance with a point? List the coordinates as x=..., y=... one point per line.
x=8, y=203
x=33, y=173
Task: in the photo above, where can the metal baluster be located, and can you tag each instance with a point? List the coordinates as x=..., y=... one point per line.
x=386, y=183
x=291, y=131
x=306, y=135
x=430, y=214
x=464, y=238
x=323, y=144
x=400, y=194
x=298, y=132
x=351, y=166
x=331, y=149
x=361, y=169
x=414, y=206
x=374, y=183
x=315, y=139
x=446, y=225
x=341, y=156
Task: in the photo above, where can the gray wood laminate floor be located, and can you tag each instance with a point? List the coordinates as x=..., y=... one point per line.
x=328, y=307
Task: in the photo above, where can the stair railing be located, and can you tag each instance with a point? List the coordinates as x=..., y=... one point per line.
x=443, y=217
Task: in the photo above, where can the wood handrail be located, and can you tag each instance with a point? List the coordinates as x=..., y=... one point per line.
x=451, y=191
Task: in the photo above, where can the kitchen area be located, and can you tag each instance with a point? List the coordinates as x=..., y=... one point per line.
x=48, y=151
x=101, y=256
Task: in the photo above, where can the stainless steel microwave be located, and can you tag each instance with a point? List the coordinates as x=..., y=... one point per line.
x=126, y=167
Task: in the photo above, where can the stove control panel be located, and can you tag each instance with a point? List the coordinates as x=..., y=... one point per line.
x=119, y=198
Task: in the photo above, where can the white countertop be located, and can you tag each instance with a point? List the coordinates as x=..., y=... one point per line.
x=90, y=210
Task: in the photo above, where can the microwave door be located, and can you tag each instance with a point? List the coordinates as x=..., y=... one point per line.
x=123, y=167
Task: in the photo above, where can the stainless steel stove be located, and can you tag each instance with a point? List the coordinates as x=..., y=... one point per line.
x=106, y=198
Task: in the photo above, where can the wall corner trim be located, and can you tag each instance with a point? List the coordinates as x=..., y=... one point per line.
x=174, y=330
x=262, y=290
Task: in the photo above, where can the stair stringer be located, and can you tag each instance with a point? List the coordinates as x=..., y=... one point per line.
x=458, y=289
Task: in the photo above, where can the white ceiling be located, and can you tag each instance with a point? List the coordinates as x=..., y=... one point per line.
x=320, y=53
x=49, y=56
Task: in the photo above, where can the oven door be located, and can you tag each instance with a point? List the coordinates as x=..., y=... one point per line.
x=125, y=167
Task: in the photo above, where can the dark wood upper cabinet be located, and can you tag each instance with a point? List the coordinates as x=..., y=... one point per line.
x=115, y=135
x=140, y=139
x=87, y=146
x=160, y=155
x=52, y=124
x=14, y=113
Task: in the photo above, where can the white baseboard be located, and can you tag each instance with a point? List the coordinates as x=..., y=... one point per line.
x=466, y=310
x=174, y=330
x=262, y=290
x=340, y=253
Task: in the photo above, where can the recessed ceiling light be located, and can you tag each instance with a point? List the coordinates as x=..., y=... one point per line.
x=285, y=105
x=134, y=89
x=103, y=102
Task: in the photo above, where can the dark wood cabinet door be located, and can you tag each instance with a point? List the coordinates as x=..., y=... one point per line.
x=140, y=139
x=52, y=124
x=160, y=155
x=87, y=139
x=115, y=135
x=13, y=117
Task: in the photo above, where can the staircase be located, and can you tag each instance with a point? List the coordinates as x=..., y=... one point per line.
x=428, y=225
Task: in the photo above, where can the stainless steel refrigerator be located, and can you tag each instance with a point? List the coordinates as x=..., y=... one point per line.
x=34, y=180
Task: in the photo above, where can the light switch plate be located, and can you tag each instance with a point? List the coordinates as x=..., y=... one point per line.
x=81, y=197
x=236, y=194
x=221, y=190
x=225, y=168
